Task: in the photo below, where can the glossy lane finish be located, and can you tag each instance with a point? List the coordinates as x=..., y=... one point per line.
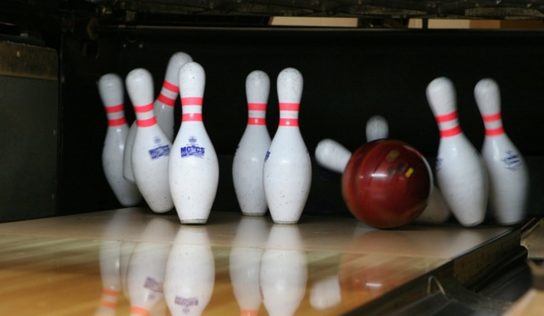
x=80, y=265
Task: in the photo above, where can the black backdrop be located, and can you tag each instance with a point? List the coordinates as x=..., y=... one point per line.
x=349, y=75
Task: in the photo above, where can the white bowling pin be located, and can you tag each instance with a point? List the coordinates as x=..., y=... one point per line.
x=245, y=263
x=128, y=173
x=287, y=167
x=284, y=271
x=247, y=166
x=151, y=147
x=332, y=155
x=164, y=104
x=508, y=175
x=376, y=128
x=459, y=169
x=194, y=169
x=146, y=269
x=190, y=272
x=110, y=88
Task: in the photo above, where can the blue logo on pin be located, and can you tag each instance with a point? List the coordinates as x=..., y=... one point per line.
x=511, y=160
x=160, y=151
x=192, y=149
x=267, y=155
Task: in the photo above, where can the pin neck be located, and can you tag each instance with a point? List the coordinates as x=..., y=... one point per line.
x=169, y=93
x=116, y=115
x=256, y=113
x=144, y=115
x=448, y=124
x=289, y=114
x=192, y=109
x=493, y=124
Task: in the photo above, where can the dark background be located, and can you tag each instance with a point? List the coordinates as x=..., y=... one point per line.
x=349, y=75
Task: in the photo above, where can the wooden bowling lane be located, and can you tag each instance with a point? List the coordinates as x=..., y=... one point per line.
x=322, y=266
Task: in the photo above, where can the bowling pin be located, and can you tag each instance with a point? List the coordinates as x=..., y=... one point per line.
x=147, y=266
x=508, y=175
x=460, y=171
x=287, y=167
x=376, y=128
x=164, y=104
x=128, y=173
x=151, y=147
x=190, y=272
x=110, y=88
x=247, y=166
x=194, y=169
x=163, y=108
x=284, y=271
x=332, y=155
x=245, y=263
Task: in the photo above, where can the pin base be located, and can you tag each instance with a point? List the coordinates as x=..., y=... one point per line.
x=285, y=222
x=200, y=221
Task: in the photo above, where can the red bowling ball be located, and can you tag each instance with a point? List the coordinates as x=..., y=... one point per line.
x=386, y=183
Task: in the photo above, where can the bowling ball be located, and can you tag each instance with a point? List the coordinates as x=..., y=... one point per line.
x=386, y=183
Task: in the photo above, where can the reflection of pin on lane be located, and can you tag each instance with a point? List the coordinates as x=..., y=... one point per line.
x=284, y=271
x=190, y=272
x=287, y=167
x=247, y=166
x=151, y=147
x=459, y=170
x=194, y=168
x=110, y=88
x=147, y=265
x=508, y=175
x=109, y=261
x=245, y=263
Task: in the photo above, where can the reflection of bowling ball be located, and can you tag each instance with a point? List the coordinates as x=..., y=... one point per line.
x=386, y=183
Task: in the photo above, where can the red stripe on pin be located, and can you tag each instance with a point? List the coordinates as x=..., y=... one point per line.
x=284, y=106
x=114, y=108
x=191, y=117
x=492, y=117
x=450, y=131
x=256, y=106
x=139, y=311
x=288, y=122
x=256, y=121
x=446, y=117
x=170, y=86
x=110, y=292
x=146, y=123
x=166, y=100
x=494, y=131
x=191, y=101
x=143, y=108
x=117, y=122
